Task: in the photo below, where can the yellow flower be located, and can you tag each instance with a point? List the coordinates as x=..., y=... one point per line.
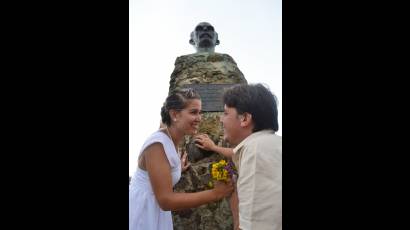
x=218, y=171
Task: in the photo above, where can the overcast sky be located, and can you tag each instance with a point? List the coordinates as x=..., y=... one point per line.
x=250, y=31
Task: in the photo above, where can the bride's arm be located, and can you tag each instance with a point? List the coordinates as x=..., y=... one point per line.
x=159, y=172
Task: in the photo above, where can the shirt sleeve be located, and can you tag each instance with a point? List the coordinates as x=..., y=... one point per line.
x=245, y=187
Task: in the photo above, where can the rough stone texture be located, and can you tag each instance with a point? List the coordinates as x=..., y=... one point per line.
x=216, y=215
x=203, y=68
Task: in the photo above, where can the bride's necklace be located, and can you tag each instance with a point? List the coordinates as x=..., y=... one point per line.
x=169, y=134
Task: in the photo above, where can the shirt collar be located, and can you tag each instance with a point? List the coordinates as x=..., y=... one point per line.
x=249, y=138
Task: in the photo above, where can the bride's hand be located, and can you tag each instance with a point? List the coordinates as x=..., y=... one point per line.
x=184, y=162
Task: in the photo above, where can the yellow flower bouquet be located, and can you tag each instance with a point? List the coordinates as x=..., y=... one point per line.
x=223, y=171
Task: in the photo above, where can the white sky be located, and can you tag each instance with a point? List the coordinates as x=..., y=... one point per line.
x=250, y=31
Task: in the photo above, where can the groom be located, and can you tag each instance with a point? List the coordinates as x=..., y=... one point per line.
x=250, y=121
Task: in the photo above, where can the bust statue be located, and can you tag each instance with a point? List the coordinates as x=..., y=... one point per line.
x=204, y=38
x=212, y=71
x=205, y=66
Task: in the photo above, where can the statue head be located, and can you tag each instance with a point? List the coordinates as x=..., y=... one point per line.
x=204, y=38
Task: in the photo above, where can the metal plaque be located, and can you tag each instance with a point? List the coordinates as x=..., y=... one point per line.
x=211, y=95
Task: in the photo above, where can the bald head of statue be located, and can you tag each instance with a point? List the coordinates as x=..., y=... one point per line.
x=204, y=38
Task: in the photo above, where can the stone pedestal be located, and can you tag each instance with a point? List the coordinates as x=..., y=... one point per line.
x=204, y=68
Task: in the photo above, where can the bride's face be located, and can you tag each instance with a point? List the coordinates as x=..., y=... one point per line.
x=188, y=119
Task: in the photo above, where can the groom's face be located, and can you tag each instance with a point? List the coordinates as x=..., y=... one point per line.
x=231, y=122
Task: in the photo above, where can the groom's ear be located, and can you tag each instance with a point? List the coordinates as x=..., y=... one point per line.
x=246, y=119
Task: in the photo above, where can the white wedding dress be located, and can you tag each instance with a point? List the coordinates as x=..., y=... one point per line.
x=144, y=211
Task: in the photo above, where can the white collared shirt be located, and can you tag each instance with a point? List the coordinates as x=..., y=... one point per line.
x=258, y=159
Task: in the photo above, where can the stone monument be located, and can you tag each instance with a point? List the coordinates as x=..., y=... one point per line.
x=209, y=73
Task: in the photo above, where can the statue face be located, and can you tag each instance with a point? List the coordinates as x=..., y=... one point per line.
x=204, y=36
